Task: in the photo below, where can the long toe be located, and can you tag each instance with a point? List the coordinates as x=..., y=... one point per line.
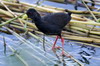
x=56, y=48
x=65, y=55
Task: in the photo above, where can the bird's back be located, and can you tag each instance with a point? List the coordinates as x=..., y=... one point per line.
x=57, y=19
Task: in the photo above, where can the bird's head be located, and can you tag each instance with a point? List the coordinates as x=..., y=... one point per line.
x=33, y=14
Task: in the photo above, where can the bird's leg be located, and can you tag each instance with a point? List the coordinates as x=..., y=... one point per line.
x=38, y=2
x=93, y=3
x=44, y=42
x=63, y=54
x=55, y=43
x=65, y=1
x=76, y=5
x=62, y=40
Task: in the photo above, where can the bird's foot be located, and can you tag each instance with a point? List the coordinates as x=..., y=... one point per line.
x=57, y=47
x=54, y=48
x=65, y=55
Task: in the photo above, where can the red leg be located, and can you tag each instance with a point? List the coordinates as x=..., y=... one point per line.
x=55, y=43
x=63, y=54
x=62, y=40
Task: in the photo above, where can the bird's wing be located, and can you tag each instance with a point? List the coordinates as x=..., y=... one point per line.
x=58, y=19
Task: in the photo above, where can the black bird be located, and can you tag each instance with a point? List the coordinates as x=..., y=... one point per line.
x=76, y=4
x=51, y=24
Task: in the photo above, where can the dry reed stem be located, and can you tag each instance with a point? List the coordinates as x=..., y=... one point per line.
x=10, y=11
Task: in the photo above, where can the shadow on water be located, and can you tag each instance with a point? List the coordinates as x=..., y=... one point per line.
x=90, y=56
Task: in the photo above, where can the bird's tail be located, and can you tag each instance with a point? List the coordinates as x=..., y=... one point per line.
x=69, y=13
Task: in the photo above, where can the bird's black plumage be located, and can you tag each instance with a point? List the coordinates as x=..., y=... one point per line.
x=51, y=24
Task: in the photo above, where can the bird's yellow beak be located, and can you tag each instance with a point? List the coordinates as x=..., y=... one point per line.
x=25, y=16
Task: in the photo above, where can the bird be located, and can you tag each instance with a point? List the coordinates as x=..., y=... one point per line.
x=50, y=24
x=76, y=4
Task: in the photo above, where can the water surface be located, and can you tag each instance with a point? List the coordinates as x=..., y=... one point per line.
x=89, y=56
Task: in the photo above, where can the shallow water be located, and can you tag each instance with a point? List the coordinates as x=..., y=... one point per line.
x=33, y=56
x=89, y=56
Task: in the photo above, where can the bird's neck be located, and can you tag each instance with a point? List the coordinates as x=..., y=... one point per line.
x=37, y=21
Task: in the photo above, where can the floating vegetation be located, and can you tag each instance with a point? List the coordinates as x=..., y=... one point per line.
x=82, y=28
